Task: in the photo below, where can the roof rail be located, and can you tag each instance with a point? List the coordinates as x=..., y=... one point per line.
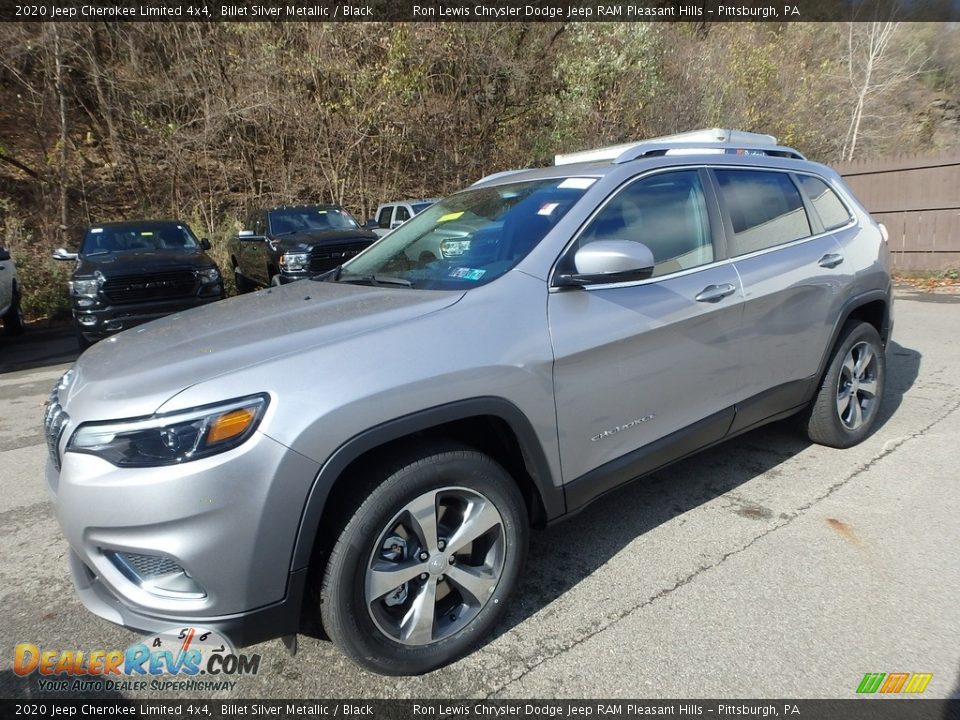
x=497, y=175
x=710, y=141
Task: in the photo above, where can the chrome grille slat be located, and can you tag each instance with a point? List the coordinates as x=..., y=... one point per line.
x=54, y=421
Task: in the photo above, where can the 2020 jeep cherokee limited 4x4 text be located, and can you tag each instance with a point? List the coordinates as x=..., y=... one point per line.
x=602, y=319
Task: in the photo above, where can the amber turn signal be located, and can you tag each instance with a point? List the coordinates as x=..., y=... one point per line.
x=230, y=425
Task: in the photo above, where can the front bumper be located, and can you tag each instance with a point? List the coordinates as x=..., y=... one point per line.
x=286, y=276
x=100, y=321
x=228, y=522
x=245, y=628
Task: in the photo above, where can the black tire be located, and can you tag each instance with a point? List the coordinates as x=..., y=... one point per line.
x=243, y=284
x=827, y=422
x=13, y=323
x=347, y=616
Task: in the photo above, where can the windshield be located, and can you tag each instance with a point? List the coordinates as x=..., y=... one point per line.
x=469, y=238
x=135, y=237
x=310, y=218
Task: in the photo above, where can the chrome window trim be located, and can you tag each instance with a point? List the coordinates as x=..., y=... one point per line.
x=602, y=206
x=717, y=263
x=844, y=201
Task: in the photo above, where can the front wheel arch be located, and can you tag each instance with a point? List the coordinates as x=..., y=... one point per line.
x=529, y=466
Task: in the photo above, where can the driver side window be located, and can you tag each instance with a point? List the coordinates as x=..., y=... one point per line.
x=258, y=225
x=666, y=212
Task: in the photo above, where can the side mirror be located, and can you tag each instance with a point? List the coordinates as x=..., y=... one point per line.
x=246, y=234
x=609, y=261
x=370, y=224
x=205, y=244
x=62, y=254
x=4, y=254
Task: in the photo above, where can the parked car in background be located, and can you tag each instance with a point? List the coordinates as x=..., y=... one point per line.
x=283, y=244
x=370, y=451
x=10, y=311
x=128, y=273
x=393, y=214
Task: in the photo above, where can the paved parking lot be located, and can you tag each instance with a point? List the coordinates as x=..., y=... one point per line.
x=766, y=567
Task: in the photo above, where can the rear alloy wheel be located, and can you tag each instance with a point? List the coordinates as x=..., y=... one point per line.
x=848, y=402
x=13, y=322
x=421, y=571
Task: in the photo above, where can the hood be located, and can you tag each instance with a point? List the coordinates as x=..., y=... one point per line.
x=133, y=373
x=139, y=262
x=307, y=239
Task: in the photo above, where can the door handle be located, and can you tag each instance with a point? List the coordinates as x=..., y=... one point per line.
x=715, y=293
x=830, y=260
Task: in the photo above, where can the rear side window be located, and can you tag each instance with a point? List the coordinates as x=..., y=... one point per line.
x=667, y=213
x=765, y=208
x=833, y=213
x=402, y=214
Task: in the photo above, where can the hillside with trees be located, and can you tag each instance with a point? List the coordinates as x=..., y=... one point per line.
x=109, y=121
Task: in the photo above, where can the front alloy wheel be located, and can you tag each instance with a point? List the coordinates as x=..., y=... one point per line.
x=435, y=566
x=422, y=569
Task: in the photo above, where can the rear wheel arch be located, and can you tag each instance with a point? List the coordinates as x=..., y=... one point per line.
x=872, y=307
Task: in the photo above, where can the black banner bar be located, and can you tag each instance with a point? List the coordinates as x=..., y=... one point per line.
x=873, y=708
x=698, y=11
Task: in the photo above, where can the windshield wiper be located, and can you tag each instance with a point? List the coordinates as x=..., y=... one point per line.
x=375, y=280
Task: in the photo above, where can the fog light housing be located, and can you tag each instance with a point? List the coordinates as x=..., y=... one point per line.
x=87, y=320
x=156, y=574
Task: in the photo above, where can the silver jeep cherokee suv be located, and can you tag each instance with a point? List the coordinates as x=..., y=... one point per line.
x=367, y=451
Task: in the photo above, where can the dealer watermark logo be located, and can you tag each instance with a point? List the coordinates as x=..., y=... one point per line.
x=188, y=659
x=894, y=683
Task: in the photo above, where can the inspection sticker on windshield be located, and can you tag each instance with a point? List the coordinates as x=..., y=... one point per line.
x=450, y=216
x=577, y=183
x=467, y=273
x=548, y=208
x=96, y=230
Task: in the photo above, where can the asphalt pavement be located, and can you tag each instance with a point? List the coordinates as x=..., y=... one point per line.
x=765, y=567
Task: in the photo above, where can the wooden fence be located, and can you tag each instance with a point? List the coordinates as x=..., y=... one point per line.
x=918, y=199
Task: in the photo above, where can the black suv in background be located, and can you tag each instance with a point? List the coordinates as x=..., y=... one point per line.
x=128, y=273
x=283, y=244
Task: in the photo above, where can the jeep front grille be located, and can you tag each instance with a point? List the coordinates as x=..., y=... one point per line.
x=54, y=421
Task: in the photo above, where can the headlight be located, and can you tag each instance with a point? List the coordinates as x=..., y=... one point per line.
x=172, y=438
x=85, y=286
x=454, y=248
x=295, y=262
x=210, y=275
